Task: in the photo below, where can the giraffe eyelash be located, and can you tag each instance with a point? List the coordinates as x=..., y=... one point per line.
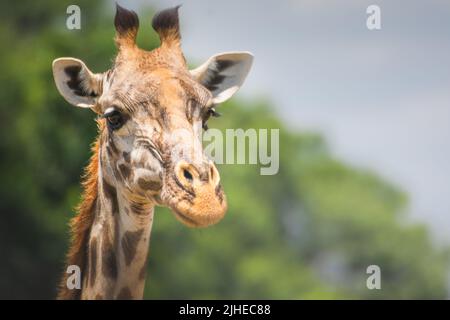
x=210, y=112
x=108, y=112
x=213, y=113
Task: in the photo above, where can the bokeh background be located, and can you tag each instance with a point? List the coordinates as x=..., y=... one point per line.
x=364, y=149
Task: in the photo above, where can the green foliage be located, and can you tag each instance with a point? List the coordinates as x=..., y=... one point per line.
x=308, y=232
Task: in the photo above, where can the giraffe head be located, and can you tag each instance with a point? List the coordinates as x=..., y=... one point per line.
x=152, y=110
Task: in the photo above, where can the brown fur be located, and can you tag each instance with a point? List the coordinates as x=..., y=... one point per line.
x=80, y=225
x=124, y=294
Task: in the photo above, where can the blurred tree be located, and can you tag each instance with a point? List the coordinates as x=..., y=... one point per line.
x=308, y=232
x=40, y=149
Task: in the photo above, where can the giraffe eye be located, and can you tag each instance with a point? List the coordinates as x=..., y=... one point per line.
x=114, y=119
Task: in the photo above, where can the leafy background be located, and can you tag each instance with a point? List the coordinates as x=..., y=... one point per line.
x=308, y=232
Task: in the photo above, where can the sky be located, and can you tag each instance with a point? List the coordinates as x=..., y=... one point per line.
x=381, y=98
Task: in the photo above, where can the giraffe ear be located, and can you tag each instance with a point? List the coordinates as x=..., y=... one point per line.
x=76, y=83
x=223, y=74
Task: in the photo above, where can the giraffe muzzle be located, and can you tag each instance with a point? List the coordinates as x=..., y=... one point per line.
x=199, y=199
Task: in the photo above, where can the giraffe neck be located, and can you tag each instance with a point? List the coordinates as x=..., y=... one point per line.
x=117, y=254
x=118, y=244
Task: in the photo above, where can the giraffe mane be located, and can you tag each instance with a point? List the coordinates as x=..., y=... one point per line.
x=81, y=223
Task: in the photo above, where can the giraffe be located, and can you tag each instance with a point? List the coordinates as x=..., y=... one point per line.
x=150, y=111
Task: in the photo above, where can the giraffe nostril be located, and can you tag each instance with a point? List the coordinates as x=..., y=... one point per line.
x=211, y=173
x=187, y=175
x=214, y=175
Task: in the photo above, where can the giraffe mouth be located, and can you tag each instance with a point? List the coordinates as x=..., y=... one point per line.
x=198, y=214
x=193, y=201
x=185, y=219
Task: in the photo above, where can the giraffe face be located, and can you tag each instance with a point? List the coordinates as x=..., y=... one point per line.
x=153, y=110
x=153, y=119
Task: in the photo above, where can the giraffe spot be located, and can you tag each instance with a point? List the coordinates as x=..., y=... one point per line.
x=124, y=294
x=124, y=170
x=93, y=262
x=126, y=157
x=137, y=208
x=149, y=184
x=163, y=117
x=143, y=271
x=111, y=194
x=204, y=176
x=112, y=145
x=108, y=75
x=108, y=149
x=187, y=198
x=129, y=244
x=109, y=262
x=219, y=193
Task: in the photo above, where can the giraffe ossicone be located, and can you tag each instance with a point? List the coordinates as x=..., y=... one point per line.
x=150, y=109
